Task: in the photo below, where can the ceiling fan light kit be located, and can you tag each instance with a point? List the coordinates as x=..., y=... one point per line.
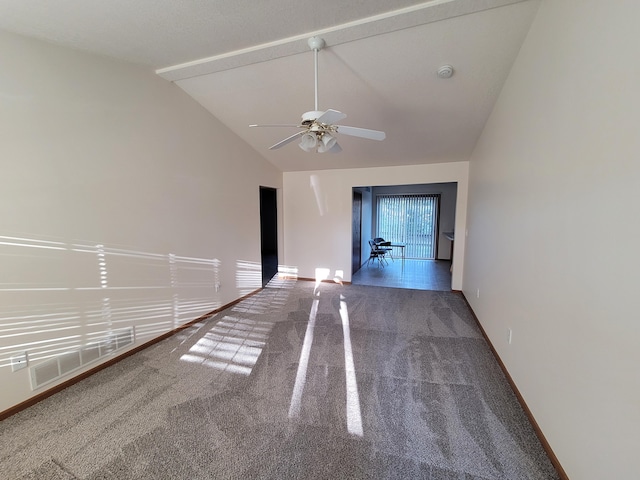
x=308, y=142
x=327, y=143
x=319, y=128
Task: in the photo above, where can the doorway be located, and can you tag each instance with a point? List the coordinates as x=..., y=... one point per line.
x=268, y=233
x=428, y=265
x=356, y=247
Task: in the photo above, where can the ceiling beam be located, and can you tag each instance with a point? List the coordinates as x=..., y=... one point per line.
x=428, y=12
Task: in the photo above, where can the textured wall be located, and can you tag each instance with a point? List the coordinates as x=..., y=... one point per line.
x=318, y=212
x=552, y=245
x=123, y=203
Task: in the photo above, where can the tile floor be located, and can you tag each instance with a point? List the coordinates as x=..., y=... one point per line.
x=408, y=273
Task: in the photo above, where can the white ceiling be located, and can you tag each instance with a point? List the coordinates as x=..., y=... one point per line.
x=249, y=62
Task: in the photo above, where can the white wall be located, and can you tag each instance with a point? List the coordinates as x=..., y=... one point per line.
x=553, y=232
x=317, y=212
x=108, y=171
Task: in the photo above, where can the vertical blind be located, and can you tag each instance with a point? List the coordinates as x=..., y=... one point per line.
x=409, y=219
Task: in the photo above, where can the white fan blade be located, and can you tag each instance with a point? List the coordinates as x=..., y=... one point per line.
x=361, y=132
x=278, y=125
x=330, y=117
x=287, y=140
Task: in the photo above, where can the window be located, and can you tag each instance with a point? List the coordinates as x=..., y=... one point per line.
x=409, y=219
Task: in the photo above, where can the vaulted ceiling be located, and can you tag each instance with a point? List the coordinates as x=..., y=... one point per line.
x=249, y=62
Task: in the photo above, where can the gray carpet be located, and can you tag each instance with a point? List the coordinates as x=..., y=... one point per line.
x=345, y=382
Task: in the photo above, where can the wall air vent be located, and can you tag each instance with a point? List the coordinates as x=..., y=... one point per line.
x=61, y=365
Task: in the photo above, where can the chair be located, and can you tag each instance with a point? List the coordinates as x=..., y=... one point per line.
x=376, y=253
x=381, y=244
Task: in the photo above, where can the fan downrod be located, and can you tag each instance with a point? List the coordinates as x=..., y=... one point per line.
x=319, y=127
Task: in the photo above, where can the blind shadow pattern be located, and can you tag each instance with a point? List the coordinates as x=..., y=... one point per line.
x=58, y=296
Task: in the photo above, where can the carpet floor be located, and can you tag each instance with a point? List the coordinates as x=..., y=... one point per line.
x=300, y=381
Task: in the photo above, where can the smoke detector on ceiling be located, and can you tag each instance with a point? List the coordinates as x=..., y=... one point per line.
x=445, y=71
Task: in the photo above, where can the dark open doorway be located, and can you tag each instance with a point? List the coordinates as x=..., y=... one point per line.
x=356, y=216
x=268, y=233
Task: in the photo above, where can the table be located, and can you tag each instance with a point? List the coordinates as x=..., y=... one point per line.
x=393, y=245
x=399, y=245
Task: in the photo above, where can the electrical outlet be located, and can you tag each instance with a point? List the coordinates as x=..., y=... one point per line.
x=509, y=336
x=478, y=293
x=217, y=286
x=19, y=361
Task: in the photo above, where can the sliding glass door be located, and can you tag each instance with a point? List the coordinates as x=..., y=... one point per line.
x=410, y=219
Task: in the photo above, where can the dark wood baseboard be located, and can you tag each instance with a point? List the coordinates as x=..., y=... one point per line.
x=545, y=444
x=72, y=381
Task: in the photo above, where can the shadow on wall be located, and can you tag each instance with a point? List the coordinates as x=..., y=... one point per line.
x=58, y=297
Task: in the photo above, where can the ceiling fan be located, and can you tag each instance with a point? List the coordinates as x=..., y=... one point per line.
x=318, y=128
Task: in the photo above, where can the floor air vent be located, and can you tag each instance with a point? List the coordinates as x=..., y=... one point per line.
x=65, y=363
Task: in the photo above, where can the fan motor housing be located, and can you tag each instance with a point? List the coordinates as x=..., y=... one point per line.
x=310, y=117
